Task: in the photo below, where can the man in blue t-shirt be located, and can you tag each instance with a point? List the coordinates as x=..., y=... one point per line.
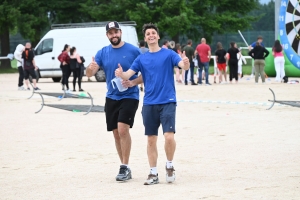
x=120, y=107
x=260, y=41
x=156, y=67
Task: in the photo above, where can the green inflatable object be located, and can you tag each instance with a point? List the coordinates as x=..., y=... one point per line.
x=289, y=68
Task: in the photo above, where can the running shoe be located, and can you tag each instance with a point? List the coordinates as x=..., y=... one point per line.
x=37, y=88
x=152, y=179
x=170, y=175
x=21, y=88
x=124, y=174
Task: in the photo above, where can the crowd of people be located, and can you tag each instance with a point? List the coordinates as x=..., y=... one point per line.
x=226, y=61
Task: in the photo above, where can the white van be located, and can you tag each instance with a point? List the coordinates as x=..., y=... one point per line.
x=88, y=38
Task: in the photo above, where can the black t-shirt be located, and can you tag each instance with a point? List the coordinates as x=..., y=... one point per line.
x=233, y=53
x=220, y=53
x=28, y=56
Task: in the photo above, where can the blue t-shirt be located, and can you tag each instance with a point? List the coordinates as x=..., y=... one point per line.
x=158, y=75
x=108, y=59
x=254, y=44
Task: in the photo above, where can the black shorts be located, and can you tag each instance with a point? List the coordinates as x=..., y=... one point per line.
x=120, y=111
x=30, y=72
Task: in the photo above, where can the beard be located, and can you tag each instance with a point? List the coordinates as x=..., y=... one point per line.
x=115, y=43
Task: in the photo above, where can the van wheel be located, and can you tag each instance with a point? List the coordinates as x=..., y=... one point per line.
x=100, y=76
x=37, y=74
x=56, y=79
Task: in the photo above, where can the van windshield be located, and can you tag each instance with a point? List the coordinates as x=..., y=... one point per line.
x=44, y=47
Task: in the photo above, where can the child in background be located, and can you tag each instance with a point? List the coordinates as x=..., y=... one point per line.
x=241, y=60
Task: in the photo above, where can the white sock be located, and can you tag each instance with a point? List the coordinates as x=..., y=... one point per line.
x=169, y=164
x=126, y=166
x=153, y=170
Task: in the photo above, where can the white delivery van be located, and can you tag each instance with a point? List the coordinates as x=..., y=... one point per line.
x=88, y=38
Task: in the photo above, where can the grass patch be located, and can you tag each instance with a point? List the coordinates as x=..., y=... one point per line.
x=13, y=69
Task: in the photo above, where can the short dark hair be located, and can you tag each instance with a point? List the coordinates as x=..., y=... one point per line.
x=150, y=26
x=142, y=43
x=165, y=42
x=189, y=41
x=259, y=37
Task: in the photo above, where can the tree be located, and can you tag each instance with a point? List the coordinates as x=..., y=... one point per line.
x=193, y=18
x=33, y=21
x=8, y=22
x=267, y=17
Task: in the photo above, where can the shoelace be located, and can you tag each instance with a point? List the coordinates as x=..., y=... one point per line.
x=122, y=171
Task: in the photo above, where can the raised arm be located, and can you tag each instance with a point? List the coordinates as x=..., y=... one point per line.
x=92, y=69
x=124, y=75
x=185, y=62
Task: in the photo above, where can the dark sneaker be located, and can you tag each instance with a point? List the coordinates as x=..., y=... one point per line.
x=170, y=175
x=193, y=84
x=124, y=174
x=28, y=88
x=152, y=179
x=37, y=88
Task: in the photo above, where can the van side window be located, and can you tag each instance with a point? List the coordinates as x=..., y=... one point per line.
x=45, y=47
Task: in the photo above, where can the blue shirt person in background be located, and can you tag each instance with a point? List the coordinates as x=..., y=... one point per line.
x=260, y=41
x=120, y=107
x=156, y=67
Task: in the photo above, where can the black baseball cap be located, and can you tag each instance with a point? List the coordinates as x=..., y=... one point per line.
x=111, y=25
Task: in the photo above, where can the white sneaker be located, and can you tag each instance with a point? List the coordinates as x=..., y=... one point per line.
x=170, y=175
x=251, y=76
x=21, y=88
x=152, y=179
x=68, y=91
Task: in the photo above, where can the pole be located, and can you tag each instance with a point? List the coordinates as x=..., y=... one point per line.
x=243, y=38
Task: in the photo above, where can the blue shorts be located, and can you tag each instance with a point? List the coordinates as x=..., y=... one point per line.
x=154, y=115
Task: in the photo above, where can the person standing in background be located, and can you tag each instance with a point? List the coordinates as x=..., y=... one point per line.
x=165, y=44
x=221, y=62
x=18, y=56
x=204, y=52
x=233, y=62
x=278, y=60
x=189, y=52
x=260, y=41
x=259, y=53
x=143, y=49
x=241, y=59
x=75, y=65
x=29, y=66
x=64, y=60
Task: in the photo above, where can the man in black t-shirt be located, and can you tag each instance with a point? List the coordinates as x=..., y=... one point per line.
x=29, y=66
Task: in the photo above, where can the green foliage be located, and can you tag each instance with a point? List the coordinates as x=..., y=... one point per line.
x=34, y=21
x=9, y=15
x=267, y=14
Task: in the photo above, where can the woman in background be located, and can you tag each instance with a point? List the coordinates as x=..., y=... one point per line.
x=64, y=60
x=233, y=62
x=75, y=65
x=221, y=62
x=278, y=61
